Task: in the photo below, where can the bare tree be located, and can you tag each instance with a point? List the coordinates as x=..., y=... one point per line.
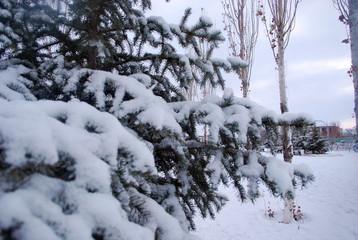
x=278, y=30
x=349, y=16
x=241, y=25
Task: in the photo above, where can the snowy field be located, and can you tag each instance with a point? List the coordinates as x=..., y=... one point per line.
x=329, y=206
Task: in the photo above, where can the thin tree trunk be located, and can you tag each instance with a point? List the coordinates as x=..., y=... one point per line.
x=353, y=28
x=282, y=79
x=287, y=212
x=286, y=144
x=241, y=26
x=245, y=84
x=286, y=135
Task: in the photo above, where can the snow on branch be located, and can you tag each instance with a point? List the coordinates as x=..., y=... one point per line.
x=129, y=96
x=57, y=162
x=160, y=25
x=232, y=123
x=237, y=62
x=130, y=153
x=296, y=119
x=13, y=86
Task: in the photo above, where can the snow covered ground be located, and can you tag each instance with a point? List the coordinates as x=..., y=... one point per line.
x=329, y=206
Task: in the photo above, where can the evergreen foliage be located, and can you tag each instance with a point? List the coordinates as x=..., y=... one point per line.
x=309, y=140
x=28, y=30
x=91, y=113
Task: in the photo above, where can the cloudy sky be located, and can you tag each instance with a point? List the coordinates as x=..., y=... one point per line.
x=316, y=60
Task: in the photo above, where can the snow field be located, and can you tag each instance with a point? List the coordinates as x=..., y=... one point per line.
x=329, y=206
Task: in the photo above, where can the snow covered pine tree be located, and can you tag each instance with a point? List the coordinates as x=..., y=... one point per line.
x=96, y=141
x=310, y=140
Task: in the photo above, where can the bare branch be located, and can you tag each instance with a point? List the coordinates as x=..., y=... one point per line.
x=342, y=7
x=241, y=26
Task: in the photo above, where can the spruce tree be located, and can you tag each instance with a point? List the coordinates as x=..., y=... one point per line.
x=309, y=140
x=28, y=30
x=110, y=66
x=315, y=143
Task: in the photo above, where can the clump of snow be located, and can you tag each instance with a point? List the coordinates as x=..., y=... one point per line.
x=206, y=21
x=289, y=118
x=161, y=24
x=280, y=173
x=214, y=117
x=221, y=62
x=176, y=30
x=215, y=169
x=41, y=15
x=237, y=62
x=253, y=171
x=142, y=78
x=228, y=93
x=13, y=86
x=148, y=107
x=184, y=60
x=5, y=13
x=182, y=110
x=304, y=171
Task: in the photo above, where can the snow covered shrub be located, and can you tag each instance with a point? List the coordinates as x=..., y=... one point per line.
x=96, y=140
x=310, y=140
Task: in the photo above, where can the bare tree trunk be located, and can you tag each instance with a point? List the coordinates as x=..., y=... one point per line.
x=286, y=144
x=353, y=29
x=286, y=133
x=287, y=211
x=243, y=75
x=245, y=82
x=282, y=77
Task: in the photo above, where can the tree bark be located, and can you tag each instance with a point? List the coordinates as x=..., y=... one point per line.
x=245, y=83
x=286, y=135
x=241, y=26
x=353, y=28
x=287, y=212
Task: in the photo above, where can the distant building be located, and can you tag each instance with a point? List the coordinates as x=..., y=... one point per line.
x=328, y=131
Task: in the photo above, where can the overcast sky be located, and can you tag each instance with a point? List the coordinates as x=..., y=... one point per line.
x=316, y=60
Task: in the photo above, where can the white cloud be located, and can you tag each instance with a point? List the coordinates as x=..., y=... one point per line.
x=321, y=66
x=262, y=83
x=348, y=123
x=349, y=90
